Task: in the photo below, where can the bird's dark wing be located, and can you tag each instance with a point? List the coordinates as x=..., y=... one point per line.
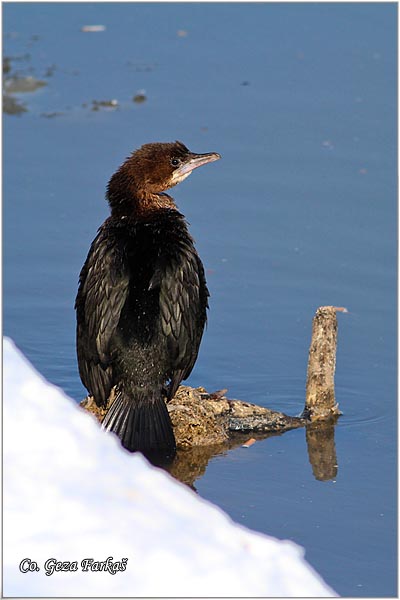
x=183, y=304
x=103, y=289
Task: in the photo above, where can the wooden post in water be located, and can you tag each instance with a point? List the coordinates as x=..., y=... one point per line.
x=320, y=388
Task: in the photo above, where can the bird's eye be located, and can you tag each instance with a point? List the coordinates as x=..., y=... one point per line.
x=175, y=162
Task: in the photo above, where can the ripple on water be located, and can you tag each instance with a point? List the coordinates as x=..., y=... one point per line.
x=359, y=410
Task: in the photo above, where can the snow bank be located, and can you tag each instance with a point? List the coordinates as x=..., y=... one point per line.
x=72, y=493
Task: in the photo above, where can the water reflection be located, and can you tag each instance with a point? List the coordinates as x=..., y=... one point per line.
x=190, y=464
x=320, y=437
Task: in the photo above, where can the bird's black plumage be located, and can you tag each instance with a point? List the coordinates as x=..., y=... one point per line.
x=142, y=299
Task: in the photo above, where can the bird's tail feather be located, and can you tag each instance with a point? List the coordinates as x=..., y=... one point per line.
x=142, y=423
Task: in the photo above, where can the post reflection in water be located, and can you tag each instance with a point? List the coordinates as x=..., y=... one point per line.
x=321, y=448
x=190, y=464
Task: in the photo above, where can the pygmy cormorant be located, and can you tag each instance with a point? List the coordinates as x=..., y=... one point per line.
x=142, y=298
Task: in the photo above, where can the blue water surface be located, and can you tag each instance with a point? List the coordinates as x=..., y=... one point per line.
x=300, y=101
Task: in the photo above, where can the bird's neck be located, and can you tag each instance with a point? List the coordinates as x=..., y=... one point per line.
x=127, y=198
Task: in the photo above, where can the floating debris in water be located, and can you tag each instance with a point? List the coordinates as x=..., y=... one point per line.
x=51, y=115
x=249, y=443
x=97, y=104
x=22, y=85
x=20, y=57
x=140, y=97
x=93, y=28
x=6, y=64
x=11, y=106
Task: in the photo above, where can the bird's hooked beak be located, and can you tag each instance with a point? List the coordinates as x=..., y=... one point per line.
x=190, y=163
x=196, y=160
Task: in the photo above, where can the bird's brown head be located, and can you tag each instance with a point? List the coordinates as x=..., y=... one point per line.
x=151, y=170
